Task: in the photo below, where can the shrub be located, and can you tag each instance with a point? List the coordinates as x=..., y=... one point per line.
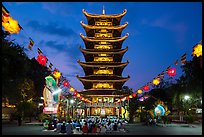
x=190, y=119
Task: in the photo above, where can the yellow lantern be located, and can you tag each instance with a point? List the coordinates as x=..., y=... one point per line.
x=197, y=50
x=130, y=96
x=71, y=89
x=57, y=74
x=10, y=25
x=78, y=95
x=156, y=81
x=139, y=91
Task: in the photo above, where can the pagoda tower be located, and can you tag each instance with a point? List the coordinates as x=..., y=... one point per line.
x=103, y=64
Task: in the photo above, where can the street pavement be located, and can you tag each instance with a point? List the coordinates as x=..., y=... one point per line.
x=131, y=129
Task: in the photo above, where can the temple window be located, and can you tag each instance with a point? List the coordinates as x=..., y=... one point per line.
x=103, y=47
x=109, y=59
x=102, y=85
x=103, y=71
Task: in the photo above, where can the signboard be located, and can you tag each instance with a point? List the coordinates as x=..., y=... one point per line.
x=50, y=110
x=103, y=105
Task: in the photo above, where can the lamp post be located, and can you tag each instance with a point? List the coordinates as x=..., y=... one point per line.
x=67, y=109
x=186, y=98
x=72, y=101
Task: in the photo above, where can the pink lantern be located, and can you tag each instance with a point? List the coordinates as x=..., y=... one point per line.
x=141, y=99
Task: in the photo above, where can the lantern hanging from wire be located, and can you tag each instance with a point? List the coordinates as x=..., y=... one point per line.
x=139, y=95
x=139, y=91
x=141, y=99
x=75, y=93
x=10, y=24
x=130, y=96
x=57, y=74
x=134, y=94
x=42, y=60
x=146, y=88
x=71, y=89
x=156, y=81
x=171, y=72
x=78, y=95
x=66, y=83
x=197, y=50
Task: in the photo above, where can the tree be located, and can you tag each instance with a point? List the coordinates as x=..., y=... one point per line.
x=189, y=83
x=21, y=74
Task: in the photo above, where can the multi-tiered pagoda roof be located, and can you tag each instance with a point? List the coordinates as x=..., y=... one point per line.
x=103, y=55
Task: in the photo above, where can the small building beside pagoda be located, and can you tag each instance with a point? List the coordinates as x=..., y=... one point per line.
x=103, y=64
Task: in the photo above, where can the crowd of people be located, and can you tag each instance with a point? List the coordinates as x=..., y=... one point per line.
x=90, y=125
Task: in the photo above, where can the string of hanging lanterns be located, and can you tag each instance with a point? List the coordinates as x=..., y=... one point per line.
x=170, y=71
x=13, y=27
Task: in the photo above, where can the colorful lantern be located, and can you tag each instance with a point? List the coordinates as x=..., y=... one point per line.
x=42, y=60
x=156, y=81
x=171, y=72
x=139, y=95
x=197, y=50
x=10, y=25
x=145, y=97
x=66, y=83
x=139, y=91
x=78, y=95
x=57, y=74
x=75, y=93
x=141, y=99
x=130, y=96
x=71, y=89
x=146, y=88
x=134, y=94
x=123, y=99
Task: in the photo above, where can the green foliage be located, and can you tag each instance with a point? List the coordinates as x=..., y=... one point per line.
x=23, y=78
x=190, y=119
x=43, y=117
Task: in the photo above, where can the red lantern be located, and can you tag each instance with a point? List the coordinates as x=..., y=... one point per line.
x=171, y=72
x=80, y=97
x=66, y=83
x=42, y=60
x=134, y=94
x=146, y=87
x=75, y=93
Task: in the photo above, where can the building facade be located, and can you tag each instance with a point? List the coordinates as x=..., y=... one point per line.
x=103, y=64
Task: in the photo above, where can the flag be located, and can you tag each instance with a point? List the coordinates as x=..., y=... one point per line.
x=5, y=11
x=158, y=76
x=149, y=83
x=162, y=74
x=39, y=51
x=167, y=69
x=20, y=27
x=176, y=62
x=31, y=43
x=50, y=66
x=183, y=59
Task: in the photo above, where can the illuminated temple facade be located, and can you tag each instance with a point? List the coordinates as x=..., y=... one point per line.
x=103, y=64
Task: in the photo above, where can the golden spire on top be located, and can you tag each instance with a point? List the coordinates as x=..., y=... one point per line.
x=103, y=10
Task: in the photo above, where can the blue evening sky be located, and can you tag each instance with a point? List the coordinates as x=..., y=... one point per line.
x=159, y=34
